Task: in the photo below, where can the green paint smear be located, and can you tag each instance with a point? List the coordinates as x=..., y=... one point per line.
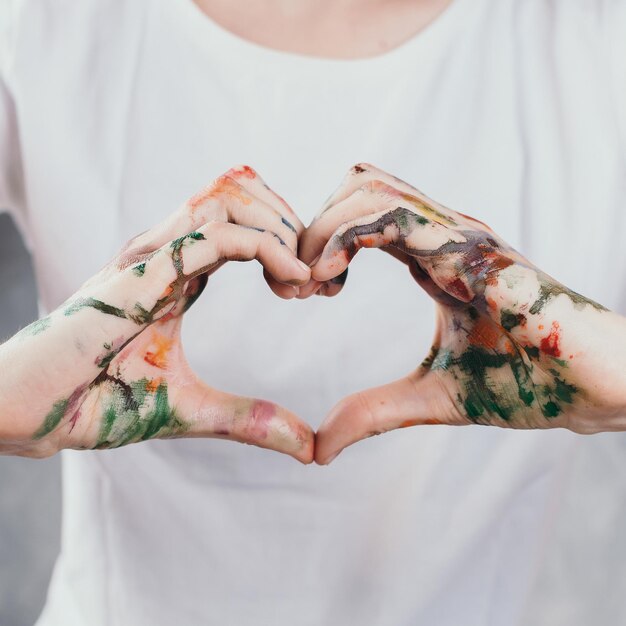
x=532, y=352
x=39, y=326
x=480, y=397
x=177, y=246
x=551, y=409
x=549, y=290
x=481, y=400
x=509, y=320
x=106, y=359
x=564, y=391
x=126, y=419
x=406, y=219
x=140, y=269
x=82, y=303
x=140, y=315
x=52, y=420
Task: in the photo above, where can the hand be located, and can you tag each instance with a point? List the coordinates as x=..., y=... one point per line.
x=107, y=367
x=513, y=347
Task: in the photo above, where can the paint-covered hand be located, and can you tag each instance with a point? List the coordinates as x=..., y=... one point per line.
x=107, y=367
x=513, y=347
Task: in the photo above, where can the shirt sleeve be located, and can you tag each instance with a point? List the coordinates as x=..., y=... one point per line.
x=11, y=176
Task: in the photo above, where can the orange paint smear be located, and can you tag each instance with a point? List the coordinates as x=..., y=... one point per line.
x=430, y=420
x=166, y=292
x=485, y=333
x=223, y=185
x=492, y=304
x=153, y=385
x=245, y=171
x=158, y=355
x=550, y=344
x=497, y=263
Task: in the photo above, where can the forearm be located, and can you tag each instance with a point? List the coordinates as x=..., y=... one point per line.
x=49, y=362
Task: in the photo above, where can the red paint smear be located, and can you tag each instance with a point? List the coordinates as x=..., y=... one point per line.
x=550, y=344
x=74, y=419
x=458, y=289
x=245, y=170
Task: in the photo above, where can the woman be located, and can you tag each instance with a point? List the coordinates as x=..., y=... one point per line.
x=113, y=113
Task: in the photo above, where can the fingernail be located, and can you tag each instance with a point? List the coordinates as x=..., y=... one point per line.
x=303, y=266
x=315, y=260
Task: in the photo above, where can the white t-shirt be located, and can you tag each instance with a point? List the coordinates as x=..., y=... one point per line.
x=113, y=113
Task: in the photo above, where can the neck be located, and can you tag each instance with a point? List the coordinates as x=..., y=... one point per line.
x=325, y=28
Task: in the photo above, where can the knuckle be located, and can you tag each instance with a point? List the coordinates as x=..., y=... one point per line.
x=241, y=170
x=214, y=231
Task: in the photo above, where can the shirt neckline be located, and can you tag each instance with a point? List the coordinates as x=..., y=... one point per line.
x=207, y=29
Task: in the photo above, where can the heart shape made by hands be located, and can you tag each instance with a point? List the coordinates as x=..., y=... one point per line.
x=509, y=348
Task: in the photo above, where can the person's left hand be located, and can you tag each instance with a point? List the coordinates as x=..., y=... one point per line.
x=513, y=347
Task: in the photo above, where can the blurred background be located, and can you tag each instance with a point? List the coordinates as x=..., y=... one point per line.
x=582, y=581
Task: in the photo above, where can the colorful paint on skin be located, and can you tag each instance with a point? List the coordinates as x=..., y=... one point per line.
x=245, y=170
x=550, y=344
x=549, y=289
x=494, y=376
x=82, y=303
x=261, y=415
x=111, y=350
x=36, y=327
x=52, y=419
x=137, y=412
x=160, y=419
x=139, y=270
x=288, y=224
x=158, y=352
x=340, y=279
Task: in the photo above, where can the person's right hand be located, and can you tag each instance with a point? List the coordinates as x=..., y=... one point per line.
x=107, y=367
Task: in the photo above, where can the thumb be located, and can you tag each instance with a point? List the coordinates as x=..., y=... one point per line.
x=212, y=413
x=410, y=401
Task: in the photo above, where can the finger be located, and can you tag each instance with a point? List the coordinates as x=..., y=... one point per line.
x=286, y=292
x=228, y=200
x=250, y=180
x=362, y=173
x=224, y=200
x=327, y=288
x=253, y=183
x=217, y=242
x=401, y=227
x=371, y=197
x=409, y=401
x=367, y=199
x=211, y=413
